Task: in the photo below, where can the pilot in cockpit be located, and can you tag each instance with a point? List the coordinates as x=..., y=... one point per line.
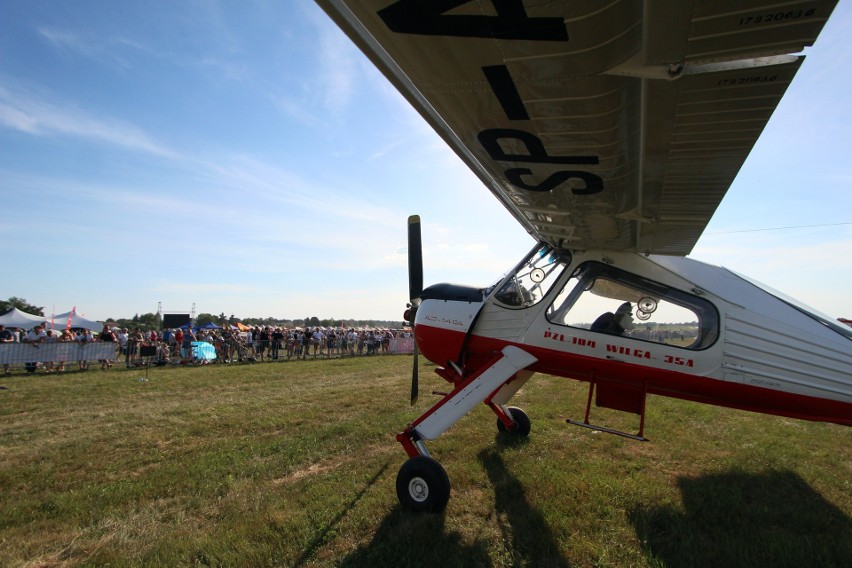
x=615, y=323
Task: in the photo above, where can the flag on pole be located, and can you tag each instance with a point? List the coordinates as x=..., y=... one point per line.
x=70, y=317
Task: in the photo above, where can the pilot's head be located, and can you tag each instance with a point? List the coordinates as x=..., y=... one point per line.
x=624, y=315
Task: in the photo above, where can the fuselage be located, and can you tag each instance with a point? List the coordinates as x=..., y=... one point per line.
x=696, y=332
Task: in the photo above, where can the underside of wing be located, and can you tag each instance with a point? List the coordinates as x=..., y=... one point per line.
x=615, y=125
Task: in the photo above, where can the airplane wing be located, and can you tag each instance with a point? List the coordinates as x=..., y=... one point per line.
x=616, y=125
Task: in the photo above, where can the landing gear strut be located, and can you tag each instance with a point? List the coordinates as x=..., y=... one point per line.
x=422, y=484
x=522, y=422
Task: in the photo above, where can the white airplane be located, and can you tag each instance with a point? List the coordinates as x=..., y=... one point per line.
x=611, y=131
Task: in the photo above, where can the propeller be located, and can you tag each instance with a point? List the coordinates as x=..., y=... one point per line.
x=415, y=289
x=415, y=259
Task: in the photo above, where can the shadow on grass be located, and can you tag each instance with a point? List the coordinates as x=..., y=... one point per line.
x=746, y=519
x=413, y=539
x=332, y=526
x=524, y=530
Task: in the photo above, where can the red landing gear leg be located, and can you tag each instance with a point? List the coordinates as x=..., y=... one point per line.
x=422, y=484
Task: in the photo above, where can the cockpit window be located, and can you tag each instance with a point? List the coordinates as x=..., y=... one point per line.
x=532, y=279
x=607, y=300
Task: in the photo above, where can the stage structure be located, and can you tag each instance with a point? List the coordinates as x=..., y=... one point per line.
x=172, y=319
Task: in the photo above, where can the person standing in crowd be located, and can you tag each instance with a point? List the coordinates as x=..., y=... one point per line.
x=122, y=343
x=6, y=336
x=264, y=336
x=107, y=336
x=316, y=341
x=306, y=342
x=290, y=342
x=249, y=341
x=188, y=338
x=88, y=337
x=344, y=342
x=277, y=338
x=178, y=342
x=174, y=343
x=65, y=337
x=134, y=340
x=51, y=337
x=330, y=340
x=227, y=344
x=35, y=336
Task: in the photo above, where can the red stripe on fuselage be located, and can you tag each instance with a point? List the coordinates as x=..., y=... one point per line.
x=443, y=345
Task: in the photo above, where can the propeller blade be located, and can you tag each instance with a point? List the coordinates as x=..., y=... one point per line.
x=415, y=258
x=415, y=289
x=414, y=386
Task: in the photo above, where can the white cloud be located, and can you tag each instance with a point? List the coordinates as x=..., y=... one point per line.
x=33, y=114
x=64, y=39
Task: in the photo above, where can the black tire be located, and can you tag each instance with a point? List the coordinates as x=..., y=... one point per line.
x=422, y=485
x=521, y=419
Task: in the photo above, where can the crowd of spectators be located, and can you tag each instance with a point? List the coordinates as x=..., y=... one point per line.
x=42, y=334
x=181, y=345
x=261, y=343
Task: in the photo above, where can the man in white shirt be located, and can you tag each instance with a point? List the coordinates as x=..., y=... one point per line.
x=316, y=339
x=36, y=335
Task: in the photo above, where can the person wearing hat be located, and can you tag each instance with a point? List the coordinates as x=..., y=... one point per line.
x=615, y=323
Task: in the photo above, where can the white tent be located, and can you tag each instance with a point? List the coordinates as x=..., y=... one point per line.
x=16, y=318
x=60, y=321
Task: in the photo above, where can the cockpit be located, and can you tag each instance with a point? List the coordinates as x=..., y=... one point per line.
x=602, y=298
x=532, y=278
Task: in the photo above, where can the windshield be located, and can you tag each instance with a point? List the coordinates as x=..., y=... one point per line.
x=532, y=279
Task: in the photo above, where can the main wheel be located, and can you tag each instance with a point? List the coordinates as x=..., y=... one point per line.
x=521, y=419
x=423, y=485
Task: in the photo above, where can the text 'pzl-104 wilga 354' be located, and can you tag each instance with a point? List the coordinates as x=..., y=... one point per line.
x=611, y=131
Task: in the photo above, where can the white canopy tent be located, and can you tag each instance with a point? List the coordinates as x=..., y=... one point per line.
x=15, y=318
x=60, y=321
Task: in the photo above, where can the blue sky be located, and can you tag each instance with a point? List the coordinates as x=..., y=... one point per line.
x=245, y=158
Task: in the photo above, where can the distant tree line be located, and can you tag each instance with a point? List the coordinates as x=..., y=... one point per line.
x=152, y=321
x=313, y=321
x=21, y=304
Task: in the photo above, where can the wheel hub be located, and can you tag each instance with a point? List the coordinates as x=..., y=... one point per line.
x=418, y=489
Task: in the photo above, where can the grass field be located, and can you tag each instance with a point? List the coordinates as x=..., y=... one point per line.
x=294, y=464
